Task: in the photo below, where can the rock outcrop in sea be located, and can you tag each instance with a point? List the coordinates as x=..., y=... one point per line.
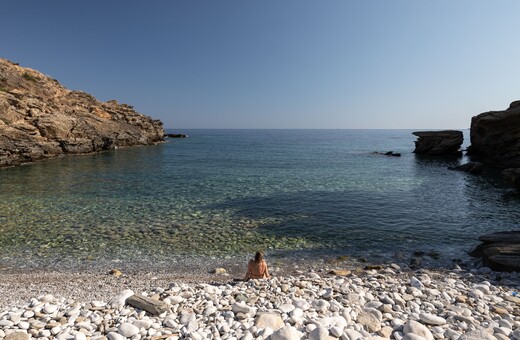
x=495, y=141
x=473, y=168
x=39, y=118
x=439, y=143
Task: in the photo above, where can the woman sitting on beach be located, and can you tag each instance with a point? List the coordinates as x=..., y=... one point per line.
x=257, y=268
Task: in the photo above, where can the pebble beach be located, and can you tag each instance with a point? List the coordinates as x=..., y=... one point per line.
x=316, y=302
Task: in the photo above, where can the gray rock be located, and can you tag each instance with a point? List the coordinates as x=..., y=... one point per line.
x=353, y=334
x=115, y=336
x=187, y=318
x=369, y=321
x=127, y=329
x=271, y=320
x=175, y=300
x=320, y=305
x=286, y=308
x=336, y=331
x=417, y=328
x=17, y=336
x=240, y=307
x=119, y=300
x=49, y=309
x=416, y=283
x=411, y=336
x=6, y=323
x=477, y=334
x=319, y=333
x=431, y=319
x=286, y=333
x=80, y=336
x=143, y=324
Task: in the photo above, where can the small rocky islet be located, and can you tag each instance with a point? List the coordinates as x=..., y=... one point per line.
x=386, y=302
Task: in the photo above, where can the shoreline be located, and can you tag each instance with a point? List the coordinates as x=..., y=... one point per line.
x=89, y=282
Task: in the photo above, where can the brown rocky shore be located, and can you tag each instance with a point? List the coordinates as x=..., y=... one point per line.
x=39, y=118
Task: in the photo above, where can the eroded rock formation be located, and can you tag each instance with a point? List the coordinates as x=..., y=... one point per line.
x=495, y=137
x=439, y=143
x=500, y=251
x=39, y=118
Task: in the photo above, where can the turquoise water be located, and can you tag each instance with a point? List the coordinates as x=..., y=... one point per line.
x=224, y=192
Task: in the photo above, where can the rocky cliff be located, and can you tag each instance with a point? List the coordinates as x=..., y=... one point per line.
x=495, y=137
x=39, y=118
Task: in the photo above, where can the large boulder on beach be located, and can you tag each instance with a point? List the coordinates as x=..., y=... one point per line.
x=495, y=137
x=39, y=118
x=439, y=143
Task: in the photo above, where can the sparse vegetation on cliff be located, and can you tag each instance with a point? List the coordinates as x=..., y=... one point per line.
x=39, y=118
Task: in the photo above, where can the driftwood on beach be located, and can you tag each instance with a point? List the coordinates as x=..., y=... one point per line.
x=152, y=306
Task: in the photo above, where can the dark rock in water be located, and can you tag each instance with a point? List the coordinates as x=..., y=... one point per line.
x=512, y=177
x=473, y=168
x=500, y=251
x=512, y=236
x=495, y=137
x=373, y=267
x=176, y=135
x=39, y=118
x=394, y=154
x=439, y=143
x=389, y=153
x=415, y=263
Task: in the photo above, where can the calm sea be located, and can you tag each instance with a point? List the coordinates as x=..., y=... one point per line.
x=224, y=192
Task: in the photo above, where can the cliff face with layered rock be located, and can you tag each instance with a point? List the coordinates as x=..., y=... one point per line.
x=495, y=137
x=39, y=118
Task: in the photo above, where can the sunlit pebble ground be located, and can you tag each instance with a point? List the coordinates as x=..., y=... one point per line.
x=86, y=284
x=495, y=309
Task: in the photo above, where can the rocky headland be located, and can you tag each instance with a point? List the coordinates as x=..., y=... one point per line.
x=39, y=118
x=495, y=141
x=495, y=137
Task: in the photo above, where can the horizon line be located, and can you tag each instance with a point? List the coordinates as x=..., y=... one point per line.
x=418, y=129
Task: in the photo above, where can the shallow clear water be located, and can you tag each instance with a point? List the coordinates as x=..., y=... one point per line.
x=223, y=192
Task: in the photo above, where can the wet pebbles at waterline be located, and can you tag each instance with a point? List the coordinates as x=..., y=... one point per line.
x=371, y=304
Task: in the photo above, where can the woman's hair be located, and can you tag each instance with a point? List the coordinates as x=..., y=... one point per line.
x=259, y=256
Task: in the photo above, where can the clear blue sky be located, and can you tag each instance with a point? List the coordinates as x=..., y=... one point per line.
x=276, y=63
